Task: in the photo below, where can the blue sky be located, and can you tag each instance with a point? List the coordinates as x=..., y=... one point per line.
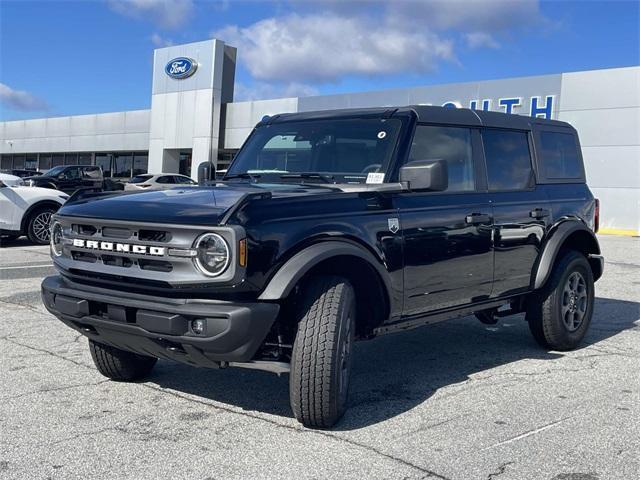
x=75, y=57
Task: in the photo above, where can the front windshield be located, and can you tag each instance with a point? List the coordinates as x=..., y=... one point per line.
x=53, y=172
x=339, y=151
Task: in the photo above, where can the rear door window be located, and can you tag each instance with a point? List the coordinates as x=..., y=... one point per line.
x=508, y=160
x=165, y=179
x=559, y=155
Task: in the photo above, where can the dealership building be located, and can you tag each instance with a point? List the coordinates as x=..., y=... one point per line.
x=193, y=118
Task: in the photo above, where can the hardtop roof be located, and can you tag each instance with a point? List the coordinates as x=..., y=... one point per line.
x=426, y=114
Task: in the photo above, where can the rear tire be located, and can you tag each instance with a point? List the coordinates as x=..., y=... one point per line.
x=38, y=225
x=559, y=314
x=119, y=364
x=321, y=359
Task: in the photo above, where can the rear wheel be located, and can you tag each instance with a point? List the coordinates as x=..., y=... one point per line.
x=38, y=225
x=119, y=364
x=321, y=359
x=559, y=315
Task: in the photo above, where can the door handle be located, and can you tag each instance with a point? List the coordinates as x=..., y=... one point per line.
x=539, y=213
x=476, y=218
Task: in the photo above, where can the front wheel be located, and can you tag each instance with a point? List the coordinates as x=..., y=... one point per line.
x=321, y=359
x=559, y=315
x=38, y=225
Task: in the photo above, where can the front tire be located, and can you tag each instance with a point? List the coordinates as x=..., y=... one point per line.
x=321, y=359
x=119, y=364
x=560, y=314
x=39, y=224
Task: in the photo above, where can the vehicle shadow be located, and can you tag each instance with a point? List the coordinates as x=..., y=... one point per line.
x=18, y=242
x=395, y=373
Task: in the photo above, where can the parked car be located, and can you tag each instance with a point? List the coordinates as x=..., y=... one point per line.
x=11, y=180
x=158, y=181
x=18, y=172
x=27, y=211
x=360, y=223
x=69, y=178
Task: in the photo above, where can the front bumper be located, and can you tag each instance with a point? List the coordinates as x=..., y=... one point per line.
x=160, y=327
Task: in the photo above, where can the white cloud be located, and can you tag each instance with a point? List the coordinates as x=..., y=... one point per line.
x=327, y=40
x=480, y=40
x=325, y=47
x=21, y=100
x=160, y=41
x=168, y=14
x=265, y=91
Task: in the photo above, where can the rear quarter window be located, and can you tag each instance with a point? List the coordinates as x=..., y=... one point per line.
x=559, y=155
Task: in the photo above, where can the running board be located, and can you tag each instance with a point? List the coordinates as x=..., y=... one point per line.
x=428, y=319
x=268, y=366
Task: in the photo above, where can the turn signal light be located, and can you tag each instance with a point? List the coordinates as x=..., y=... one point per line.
x=596, y=217
x=242, y=252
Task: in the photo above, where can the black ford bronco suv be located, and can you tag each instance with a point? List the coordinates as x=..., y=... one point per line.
x=330, y=227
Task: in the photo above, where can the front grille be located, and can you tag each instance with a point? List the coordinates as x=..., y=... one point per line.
x=132, y=253
x=154, y=236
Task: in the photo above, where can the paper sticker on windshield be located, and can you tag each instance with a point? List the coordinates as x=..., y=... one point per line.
x=382, y=134
x=375, y=177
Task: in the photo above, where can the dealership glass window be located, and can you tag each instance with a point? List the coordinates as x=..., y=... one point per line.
x=140, y=163
x=451, y=144
x=18, y=161
x=508, y=159
x=84, y=159
x=103, y=160
x=559, y=155
x=57, y=159
x=31, y=161
x=6, y=162
x=70, y=158
x=44, y=161
x=122, y=164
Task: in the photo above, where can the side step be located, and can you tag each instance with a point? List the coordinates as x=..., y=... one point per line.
x=268, y=366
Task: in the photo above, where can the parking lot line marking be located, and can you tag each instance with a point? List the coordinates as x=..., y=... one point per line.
x=27, y=266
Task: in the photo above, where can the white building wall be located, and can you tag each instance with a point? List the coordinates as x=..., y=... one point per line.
x=241, y=117
x=80, y=133
x=604, y=107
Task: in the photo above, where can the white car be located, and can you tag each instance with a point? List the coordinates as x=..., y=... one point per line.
x=158, y=181
x=11, y=180
x=27, y=211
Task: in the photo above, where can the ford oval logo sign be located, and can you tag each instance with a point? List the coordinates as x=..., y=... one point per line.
x=181, y=67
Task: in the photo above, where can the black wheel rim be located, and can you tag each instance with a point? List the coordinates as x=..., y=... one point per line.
x=345, y=359
x=41, y=226
x=575, y=300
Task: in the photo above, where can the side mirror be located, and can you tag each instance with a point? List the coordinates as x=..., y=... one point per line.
x=430, y=175
x=206, y=173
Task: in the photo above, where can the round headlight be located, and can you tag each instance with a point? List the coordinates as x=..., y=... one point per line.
x=212, y=254
x=56, y=239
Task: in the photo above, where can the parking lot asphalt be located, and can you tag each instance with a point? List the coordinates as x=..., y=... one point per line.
x=457, y=400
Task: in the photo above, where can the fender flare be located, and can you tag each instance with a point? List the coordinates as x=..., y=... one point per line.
x=289, y=274
x=553, y=245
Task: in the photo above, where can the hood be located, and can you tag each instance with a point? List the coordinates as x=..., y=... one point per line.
x=188, y=206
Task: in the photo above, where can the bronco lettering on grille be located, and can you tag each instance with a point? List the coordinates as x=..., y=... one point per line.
x=118, y=247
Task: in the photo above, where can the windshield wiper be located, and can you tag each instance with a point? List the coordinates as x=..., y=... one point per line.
x=252, y=176
x=324, y=178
